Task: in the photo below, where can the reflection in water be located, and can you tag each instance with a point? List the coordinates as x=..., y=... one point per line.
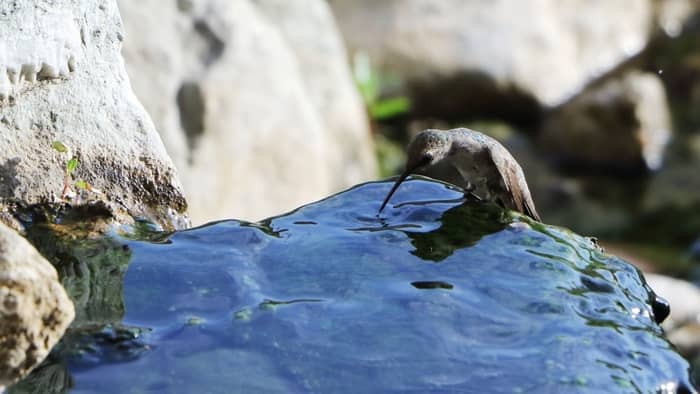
x=429, y=285
x=318, y=301
x=51, y=377
x=91, y=269
x=111, y=344
x=271, y=304
x=265, y=227
x=460, y=227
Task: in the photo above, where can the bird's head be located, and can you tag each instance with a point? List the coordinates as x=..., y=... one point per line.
x=426, y=149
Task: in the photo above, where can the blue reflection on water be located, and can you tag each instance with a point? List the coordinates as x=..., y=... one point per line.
x=437, y=294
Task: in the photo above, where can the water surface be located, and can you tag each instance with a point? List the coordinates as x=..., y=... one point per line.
x=437, y=294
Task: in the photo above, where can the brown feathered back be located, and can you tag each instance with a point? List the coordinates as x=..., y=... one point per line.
x=513, y=180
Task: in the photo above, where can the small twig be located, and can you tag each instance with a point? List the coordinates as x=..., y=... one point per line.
x=65, y=186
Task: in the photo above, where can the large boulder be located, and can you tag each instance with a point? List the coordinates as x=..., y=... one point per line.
x=467, y=57
x=675, y=59
x=62, y=79
x=309, y=28
x=438, y=294
x=253, y=100
x=623, y=124
x=34, y=309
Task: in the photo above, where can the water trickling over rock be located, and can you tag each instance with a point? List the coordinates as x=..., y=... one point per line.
x=438, y=294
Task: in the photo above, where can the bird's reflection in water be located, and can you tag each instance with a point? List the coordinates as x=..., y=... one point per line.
x=461, y=226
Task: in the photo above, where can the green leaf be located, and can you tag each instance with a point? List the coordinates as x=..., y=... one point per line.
x=389, y=108
x=71, y=165
x=81, y=184
x=59, y=146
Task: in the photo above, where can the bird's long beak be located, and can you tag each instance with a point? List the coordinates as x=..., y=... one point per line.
x=402, y=177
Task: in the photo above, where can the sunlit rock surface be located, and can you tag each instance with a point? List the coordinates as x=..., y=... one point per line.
x=476, y=54
x=34, y=309
x=309, y=28
x=62, y=78
x=436, y=295
x=253, y=99
x=44, y=44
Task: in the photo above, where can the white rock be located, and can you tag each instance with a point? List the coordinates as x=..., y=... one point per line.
x=683, y=324
x=546, y=48
x=253, y=101
x=67, y=83
x=36, y=39
x=34, y=309
x=310, y=30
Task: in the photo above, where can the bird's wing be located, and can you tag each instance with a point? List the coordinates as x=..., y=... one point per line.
x=513, y=180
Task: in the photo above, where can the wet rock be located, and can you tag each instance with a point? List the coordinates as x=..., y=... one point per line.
x=407, y=301
x=477, y=53
x=34, y=309
x=62, y=79
x=253, y=100
x=622, y=125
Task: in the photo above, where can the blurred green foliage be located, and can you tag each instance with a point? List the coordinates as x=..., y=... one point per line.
x=370, y=84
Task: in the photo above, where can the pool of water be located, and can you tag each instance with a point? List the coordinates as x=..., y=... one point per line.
x=437, y=294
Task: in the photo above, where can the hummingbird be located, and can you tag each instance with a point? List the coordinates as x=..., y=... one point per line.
x=472, y=160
